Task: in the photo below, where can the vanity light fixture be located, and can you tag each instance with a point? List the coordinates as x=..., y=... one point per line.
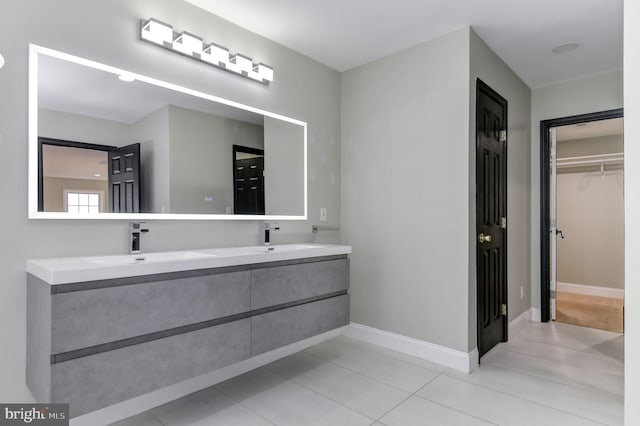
x=191, y=45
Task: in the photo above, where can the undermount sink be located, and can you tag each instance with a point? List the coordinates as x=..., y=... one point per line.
x=92, y=268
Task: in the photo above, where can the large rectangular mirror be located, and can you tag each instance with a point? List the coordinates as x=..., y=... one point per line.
x=109, y=143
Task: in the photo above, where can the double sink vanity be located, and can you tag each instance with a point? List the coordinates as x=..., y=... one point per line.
x=112, y=330
x=102, y=330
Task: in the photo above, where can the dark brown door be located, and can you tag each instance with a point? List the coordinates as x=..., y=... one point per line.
x=491, y=204
x=124, y=179
x=248, y=180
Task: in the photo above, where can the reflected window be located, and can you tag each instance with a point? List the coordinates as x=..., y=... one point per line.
x=83, y=201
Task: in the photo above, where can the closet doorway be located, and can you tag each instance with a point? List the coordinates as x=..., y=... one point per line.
x=583, y=273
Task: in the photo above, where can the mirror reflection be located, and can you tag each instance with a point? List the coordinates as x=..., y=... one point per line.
x=110, y=143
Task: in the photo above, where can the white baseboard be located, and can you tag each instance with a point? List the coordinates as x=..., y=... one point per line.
x=536, y=315
x=517, y=324
x=591, y=290
x=459, y=360
x=142, y=403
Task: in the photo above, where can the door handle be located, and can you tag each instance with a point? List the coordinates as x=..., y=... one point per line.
x=484, y=238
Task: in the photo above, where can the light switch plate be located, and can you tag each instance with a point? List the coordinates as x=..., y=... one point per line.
x=323, y=214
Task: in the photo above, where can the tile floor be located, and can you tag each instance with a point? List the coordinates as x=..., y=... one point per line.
x=547, y=374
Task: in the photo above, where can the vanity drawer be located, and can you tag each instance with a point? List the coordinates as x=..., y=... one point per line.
x=99, y=380
x=283, y=284
x=90, y=317
x=280, y=328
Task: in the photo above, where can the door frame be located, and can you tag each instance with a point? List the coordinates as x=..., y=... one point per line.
x=60, y=142
x=545, y=182
x=484, y=87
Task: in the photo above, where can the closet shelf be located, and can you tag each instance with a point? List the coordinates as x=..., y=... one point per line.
x=591, y=160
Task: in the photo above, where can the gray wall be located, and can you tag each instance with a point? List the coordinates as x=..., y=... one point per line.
x=106, y=31
x=406, y=216
x=488, y=67
x=152, y=132
x=590, y=94
x=283, y=167
x=201, y=152
x=80, y=128
x=413, y=231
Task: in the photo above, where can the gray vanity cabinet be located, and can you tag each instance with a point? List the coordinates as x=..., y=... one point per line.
x=94, y=344
x=86, y=318
x=322, y=285
x=284, y=284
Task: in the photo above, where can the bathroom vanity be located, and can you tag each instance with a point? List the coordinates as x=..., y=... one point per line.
x=102, y=330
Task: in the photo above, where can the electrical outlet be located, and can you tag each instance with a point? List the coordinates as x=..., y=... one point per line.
x=323, y=214
x=521, y=292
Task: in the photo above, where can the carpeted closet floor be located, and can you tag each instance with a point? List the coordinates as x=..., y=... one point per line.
x=603, y=313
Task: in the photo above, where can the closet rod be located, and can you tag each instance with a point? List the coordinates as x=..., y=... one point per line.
x=586, y=162
x=585, y=157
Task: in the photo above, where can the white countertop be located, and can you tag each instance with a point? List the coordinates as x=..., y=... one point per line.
x=78, y=269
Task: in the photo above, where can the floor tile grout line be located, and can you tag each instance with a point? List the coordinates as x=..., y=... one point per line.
x=150, y=411
x=521, y=398
x=586, y=350
x=604, y=358
x=408, y=397
x=158, y=419
x=559, y=345
x=581, y=387
x=446, y=406
x=596, y=392
x=358, y=373
x=386, y=350
x=340, y=403
x=245, y=406
x=369, y=377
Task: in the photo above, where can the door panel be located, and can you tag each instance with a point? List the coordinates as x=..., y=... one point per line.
x=124, y=179
x=249, y=186
x=491, y=197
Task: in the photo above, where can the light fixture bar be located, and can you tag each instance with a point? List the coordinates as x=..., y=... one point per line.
x=191, y=45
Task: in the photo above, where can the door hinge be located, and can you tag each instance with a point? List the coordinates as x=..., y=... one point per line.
x=503, y=310
x=503, y=135
x=503, y=222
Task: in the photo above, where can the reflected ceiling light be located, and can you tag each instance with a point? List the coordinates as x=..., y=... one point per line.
x=126, y=77
x=191, y=45
x=564, y=48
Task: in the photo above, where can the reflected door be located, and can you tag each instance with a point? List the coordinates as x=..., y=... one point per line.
x=124, y=179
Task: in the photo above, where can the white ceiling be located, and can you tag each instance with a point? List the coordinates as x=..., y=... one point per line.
x=344, y=34
x=74, y=88
x=74, y=163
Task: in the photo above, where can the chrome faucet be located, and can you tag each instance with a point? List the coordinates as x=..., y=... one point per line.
x=267, y=232
x=135, y=231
